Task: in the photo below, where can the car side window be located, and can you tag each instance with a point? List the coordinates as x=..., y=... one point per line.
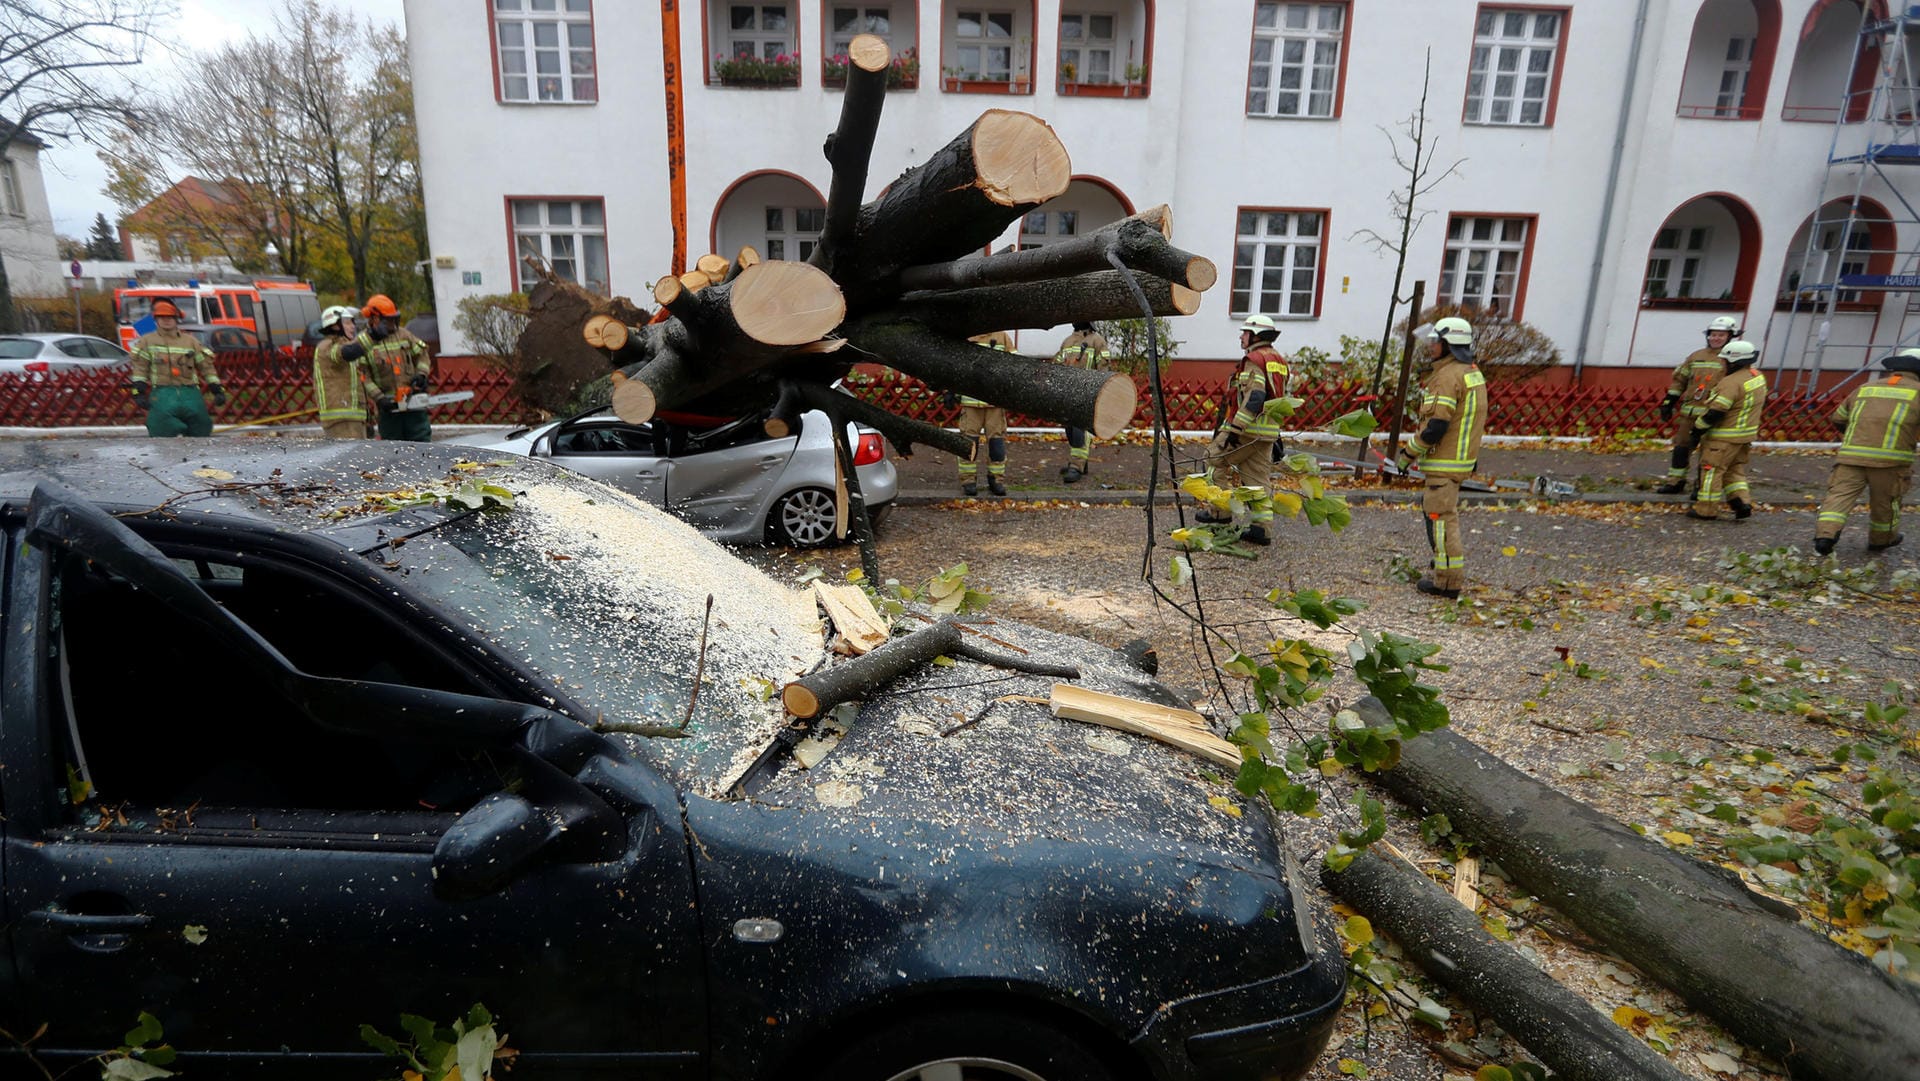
x=75, y=347
x=622, y=439
x=158, y=718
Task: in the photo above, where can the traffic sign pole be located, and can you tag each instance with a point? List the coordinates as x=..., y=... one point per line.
x=74, y=269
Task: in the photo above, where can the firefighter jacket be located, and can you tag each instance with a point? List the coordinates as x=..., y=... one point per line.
x=1084, y=349
x=336, y=384
x=1457, y=394
x=1882, y=421
x=1740, y=397
x=173, y=360
x=1249, y=401
x=1278, y=374
x=992, y=339
x=391, y=364
x=1694, y=379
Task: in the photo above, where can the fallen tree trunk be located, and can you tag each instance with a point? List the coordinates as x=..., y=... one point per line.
x=1042, y=304
x=850, y=147
x=1101, y=402
x=1139, y=243
x=1743, y=960
x=1563, y=1030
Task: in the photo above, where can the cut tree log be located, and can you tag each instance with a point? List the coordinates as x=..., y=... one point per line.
x=749, y=257
x=715, y=267
x=1101, y=402
x=1182, y=728
x=1140, y=245
x=1744, y=960
x=811, y=695
x=963, y=313
x=850, y=147
x=1563, y=1030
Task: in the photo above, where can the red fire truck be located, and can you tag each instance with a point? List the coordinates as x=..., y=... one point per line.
x=277, y=310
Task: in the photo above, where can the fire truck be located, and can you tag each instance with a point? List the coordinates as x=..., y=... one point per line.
x=276, y=310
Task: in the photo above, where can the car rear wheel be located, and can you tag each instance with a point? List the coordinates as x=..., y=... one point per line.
x=803, y=518
x=970, y=1045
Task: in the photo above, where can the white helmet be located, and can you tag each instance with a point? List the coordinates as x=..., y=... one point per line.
x=1726, y=324
x=332, y=316
x=1738, y=352
x=1453, y=330
x=1259, y=324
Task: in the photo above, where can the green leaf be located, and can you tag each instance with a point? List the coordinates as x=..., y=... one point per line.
x=474, y=1052
x=380, y=1041
x=132, y=1069
x=1493, y=1073
x=1358, y=930
x=1358, y=424
x=145, y=1032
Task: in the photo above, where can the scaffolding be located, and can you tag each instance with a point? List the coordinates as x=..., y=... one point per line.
x=1876, y=138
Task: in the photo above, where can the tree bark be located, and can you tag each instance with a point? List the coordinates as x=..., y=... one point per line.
x=1439, y=934
x=1101, y=402
x=902, y=432
x=810, y=696
x=1140, y=244
x=850, y=148
x=1746, y=962
x=1039, y=305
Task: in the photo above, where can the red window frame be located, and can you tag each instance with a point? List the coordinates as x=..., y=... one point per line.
x=1526, y=254
x=513, y=247
x=990, y=86
x=826, y=40
x=1320, y=278
x=706, y=48
x=1121, y=89
x=1559, y=63
x=1766, y=50
x=499, y=86
x=1340, y=77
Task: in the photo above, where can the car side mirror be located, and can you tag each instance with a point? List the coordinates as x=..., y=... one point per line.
x=488, y=847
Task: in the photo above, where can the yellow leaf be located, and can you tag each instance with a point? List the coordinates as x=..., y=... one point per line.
x=1358, y=930
x=1678, y=839
x=1286, y=503
x=1330, y=767
x=1225, y=804
x=1632, y=1018
x=1509, y=550
x=1874, y=891
x=1696, y=621
x=466, y=467
x=1353, y=1067
x=213, y=474
x=1649, y=662
x=1376, y=1009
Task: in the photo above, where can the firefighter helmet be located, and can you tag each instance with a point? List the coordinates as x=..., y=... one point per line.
x=1453, y=330
x=1259, y=324
x=1726, y=324
x=1739, y=353
x=1906, y=360
x=165, y=309
x=332, y=316
x=380, y=304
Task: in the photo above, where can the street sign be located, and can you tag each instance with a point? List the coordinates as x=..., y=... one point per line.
x=75, y=284
x=73, y=268
x=1880, y=281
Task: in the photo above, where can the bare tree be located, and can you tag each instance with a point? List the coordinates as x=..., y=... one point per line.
x=57, y=62
x=1417, y=164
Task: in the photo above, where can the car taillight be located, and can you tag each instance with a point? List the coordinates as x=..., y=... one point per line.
x=42, y=366
x=869, y=451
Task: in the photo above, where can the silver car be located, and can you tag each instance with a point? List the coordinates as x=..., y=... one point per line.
x=58, y=354
x=733, y=482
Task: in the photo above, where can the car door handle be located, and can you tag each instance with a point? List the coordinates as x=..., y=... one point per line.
x=84, y=923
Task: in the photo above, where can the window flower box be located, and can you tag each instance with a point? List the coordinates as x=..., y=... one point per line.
x=962, y=85
x=754, y=71
x=902, y=74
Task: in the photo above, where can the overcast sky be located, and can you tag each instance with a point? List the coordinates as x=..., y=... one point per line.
x=74, y=175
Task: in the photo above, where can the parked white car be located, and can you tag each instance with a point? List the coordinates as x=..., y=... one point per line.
x=58, y=354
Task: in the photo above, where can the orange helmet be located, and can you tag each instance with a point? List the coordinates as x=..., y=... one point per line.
x=165, y=308
x=380, y=304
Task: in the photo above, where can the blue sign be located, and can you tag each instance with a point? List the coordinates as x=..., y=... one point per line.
x=1880, y=281
x=145, y=325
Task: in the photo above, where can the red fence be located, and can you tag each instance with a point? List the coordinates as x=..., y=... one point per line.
x=273, y=387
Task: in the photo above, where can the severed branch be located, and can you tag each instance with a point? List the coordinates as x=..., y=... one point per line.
x=850, y=147
x=902, y=432
x=964, y=313
x=1139, y=243
x=810, y=696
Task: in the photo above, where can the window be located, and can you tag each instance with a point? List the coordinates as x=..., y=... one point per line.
x=1276, y=262
x=985, y=51
x=849, y=23
x=1034, y=232
x=793, y=232
x=1484, y=264
x=546, y=50
x=569, y=236
x=1673, y=269
x=1733, y=77
x=10, y=189
x=1086, y=48
x=760, y=30
x=1296, y=59
x=1825, y=255
x=1511, y=79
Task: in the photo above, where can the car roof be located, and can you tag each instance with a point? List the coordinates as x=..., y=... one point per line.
x=50, y=336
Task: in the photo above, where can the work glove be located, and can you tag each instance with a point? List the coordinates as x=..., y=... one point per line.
x=379, y=334
x=384, y=403
x=951, y=399
x=142, y=393
x=1666, y=408
x=219, y=394
x=1407, y=461
x=419, y=384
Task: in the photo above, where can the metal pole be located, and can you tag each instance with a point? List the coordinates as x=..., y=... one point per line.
x=1406, y=371
x=1613, y=188
x=78, y=327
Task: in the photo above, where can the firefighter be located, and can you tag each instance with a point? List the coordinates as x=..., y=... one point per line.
x=393, y=364
x=1085, y=348
x=1453, y=405
x=1726, y=431
x=1692, y=384
x=1241, y=454
x=169, y=370
x=977, y=419
x=336, y=381
x=1261, y=340
x=1882, y=422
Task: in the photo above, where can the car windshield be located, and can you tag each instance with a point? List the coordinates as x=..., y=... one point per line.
x=135, y=308
x=18, y=348
x=606, y=598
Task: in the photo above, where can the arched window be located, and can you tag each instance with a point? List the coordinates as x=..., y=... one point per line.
x=1703, y=256
x=1086, y=205
x=1730, y=60
x=1828, y=74
x=1832, y=243
x=778, y=213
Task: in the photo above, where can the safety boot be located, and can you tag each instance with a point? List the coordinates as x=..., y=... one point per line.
x=1071, y=475
x=1742, y=510
x=1694, y=513
x=1428, y=586
x=996, y=486
x=1256, y=534
x=969, y=489
x=1824, y=545
x=1672, y=487
x=1208, y=516
x=1883, y=545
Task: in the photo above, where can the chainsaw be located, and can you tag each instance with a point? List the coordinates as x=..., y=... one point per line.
x=418, y=402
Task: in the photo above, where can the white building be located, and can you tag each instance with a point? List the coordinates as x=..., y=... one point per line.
x=26, y=223
x=544, y=129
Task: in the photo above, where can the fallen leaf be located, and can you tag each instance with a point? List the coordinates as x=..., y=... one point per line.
x=213, y=474
x=1678, y=839
x=194, y=933
x=1717, y=1062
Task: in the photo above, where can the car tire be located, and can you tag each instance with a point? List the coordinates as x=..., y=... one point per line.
x=803, y=518
x=969, y=1045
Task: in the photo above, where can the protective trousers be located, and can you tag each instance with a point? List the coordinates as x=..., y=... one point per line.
x=1685, y=438
x=178, y=410
x=990, y=421
x=1723, y=475
x=1079, y=448
x=345, y=428
x=1246, y=467
x=405, y=426
x=1440, y=503
x=1885, y=487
